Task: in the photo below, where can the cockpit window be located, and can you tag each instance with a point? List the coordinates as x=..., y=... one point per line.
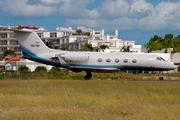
x=160, y=59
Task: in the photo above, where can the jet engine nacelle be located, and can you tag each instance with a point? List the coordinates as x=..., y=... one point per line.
x=75, y=57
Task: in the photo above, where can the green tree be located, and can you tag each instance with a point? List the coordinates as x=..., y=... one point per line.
x=178, y=68
x=9, y=52
x=125, y=49
x=20, y=27
x=79, y=31
x=25, y=69
x=158, y=43
x=103, y=47
x=167, y=42
x=87, y=46
x=176, y=44
x=155, y=43
x=165, y=51
x=65, y=47
x=40, y=68
x=49, y=44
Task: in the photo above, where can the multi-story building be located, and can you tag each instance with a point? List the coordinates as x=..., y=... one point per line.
x=8, y=41
x=97, y=38
x=67, y=36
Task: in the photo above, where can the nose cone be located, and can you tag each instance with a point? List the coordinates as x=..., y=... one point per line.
x=173, y=67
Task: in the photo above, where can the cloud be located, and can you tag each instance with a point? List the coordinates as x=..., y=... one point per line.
x=164, y=17
x=21, y=8
x=74, y=9
x=52, y=1
x=171, y=0
x=114, y=9
x=41, y=8
x=141, y=6
x=133, y=15
x=124, y=15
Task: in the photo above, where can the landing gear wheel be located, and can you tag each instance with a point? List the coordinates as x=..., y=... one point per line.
x=161, y=78
x=86, y=77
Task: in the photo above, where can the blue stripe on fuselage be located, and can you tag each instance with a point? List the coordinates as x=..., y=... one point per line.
x=31, y=56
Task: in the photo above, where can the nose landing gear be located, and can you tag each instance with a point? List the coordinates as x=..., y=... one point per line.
x=160, y=76
x=88, y=75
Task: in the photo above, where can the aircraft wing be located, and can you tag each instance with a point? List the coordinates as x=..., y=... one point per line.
x=61, y=60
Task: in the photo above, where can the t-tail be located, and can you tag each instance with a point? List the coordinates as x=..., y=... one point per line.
x=34, y=49
x=30, y=43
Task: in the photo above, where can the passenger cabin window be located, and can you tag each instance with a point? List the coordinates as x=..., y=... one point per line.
x=108, y=60
x=116, y=60
x=99, y=60
x=125, y=60
x=134, y=60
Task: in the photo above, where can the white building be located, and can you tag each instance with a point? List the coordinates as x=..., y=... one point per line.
x=97, y=38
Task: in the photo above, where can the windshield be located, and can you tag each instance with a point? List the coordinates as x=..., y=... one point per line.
x=160, y=59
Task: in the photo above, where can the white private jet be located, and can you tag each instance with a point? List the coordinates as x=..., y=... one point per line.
x=34, y=49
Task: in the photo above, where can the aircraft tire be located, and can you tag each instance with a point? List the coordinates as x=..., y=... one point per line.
x=161, y=78
x=86, y=77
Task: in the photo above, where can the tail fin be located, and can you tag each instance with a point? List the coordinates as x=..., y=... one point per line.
x=30, y=43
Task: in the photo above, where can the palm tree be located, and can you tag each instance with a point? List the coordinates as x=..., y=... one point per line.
x=87, y=46
x=49, y=44
x=65, y=48
x=103, y=47
x=125, y=49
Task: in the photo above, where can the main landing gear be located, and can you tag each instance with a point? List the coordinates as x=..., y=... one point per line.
x=88, y=75
x=160, y=76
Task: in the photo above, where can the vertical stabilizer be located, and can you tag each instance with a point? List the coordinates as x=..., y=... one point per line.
x=30, y=43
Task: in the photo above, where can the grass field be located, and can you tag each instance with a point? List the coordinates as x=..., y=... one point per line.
x=89, y=100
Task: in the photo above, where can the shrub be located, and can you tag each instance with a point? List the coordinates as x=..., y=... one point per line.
x=25, y=69
x=20, y=27
x=40, y=68
x=55, y=68
x=178, y=68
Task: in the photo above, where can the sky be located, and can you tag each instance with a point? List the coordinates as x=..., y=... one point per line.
x=136, y=20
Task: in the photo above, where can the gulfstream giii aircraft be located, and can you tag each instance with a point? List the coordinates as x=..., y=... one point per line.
x=34, y=49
